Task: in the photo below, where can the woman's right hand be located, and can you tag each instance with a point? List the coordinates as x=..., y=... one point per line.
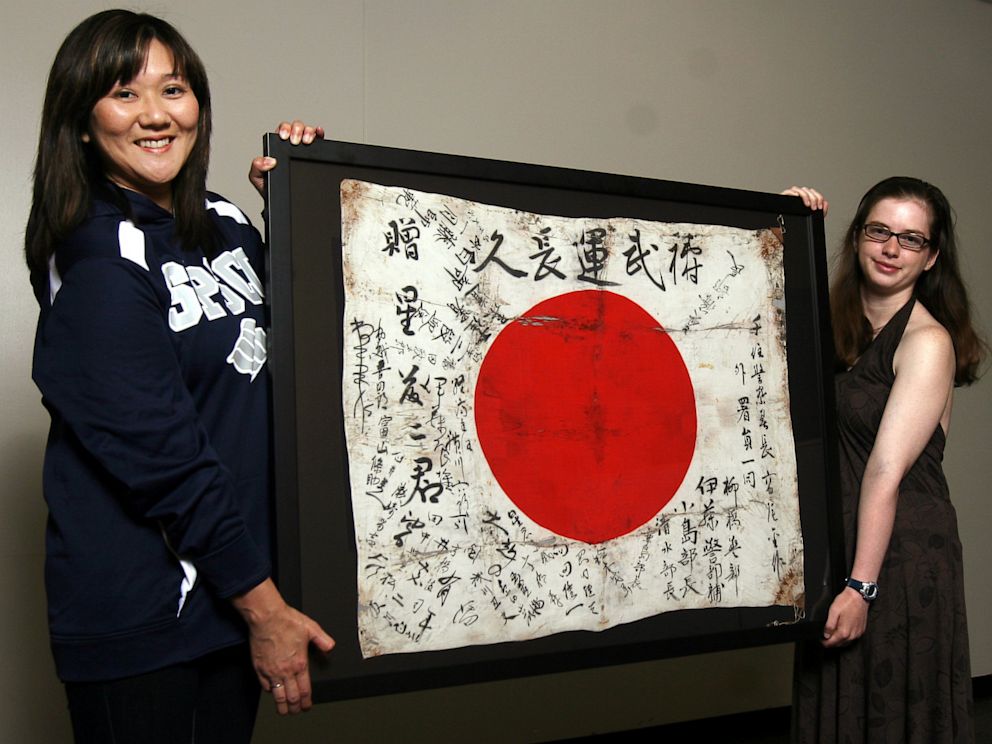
x=280, y=637
x=811, y=197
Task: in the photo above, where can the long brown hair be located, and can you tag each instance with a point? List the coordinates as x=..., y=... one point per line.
x=105, y=49
x=941, y=289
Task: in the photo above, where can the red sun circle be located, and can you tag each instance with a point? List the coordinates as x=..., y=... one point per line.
x=586, y=414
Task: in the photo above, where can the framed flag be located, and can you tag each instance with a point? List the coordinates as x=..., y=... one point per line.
x=530, y=419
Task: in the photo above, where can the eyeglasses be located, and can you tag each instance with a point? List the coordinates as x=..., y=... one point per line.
x=911, y=241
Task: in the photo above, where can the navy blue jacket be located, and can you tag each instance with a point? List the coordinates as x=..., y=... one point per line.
x=151, y=362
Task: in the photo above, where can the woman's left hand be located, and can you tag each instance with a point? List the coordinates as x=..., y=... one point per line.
x=846, y=620
x=297, y=133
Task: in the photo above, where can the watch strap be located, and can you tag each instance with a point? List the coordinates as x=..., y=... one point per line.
x=867, y=589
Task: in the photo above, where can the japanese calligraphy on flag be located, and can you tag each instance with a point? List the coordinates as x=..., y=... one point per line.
x=560, y=424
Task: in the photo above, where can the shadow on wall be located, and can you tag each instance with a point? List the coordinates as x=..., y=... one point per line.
x=35, y=708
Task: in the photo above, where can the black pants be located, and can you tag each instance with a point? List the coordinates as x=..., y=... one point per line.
x=212, y=700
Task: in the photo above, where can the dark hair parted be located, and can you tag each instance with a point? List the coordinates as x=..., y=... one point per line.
x=106, y=49
x=941, y=289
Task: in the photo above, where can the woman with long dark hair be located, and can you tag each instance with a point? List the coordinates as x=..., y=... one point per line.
x=150, y=356
x=893, y=665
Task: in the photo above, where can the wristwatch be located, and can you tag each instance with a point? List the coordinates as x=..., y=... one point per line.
x=867, y=589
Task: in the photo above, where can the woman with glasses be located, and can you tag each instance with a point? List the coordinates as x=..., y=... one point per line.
x=893, y=664
x=150, y=356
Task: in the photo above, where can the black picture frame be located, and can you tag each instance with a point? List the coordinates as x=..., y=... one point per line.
x=316, y=554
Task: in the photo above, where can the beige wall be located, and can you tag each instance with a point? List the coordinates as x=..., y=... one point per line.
x=755, y=95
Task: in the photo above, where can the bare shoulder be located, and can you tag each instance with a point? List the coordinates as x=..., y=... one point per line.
x=925, y=344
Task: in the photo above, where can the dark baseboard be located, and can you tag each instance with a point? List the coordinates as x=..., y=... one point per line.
x=719, y=728
x=770, y=721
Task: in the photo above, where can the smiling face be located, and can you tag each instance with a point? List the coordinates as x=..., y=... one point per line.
x=888, y=268
x=146, y=128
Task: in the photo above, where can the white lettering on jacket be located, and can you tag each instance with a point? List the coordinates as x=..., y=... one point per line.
x=250, y=352
x=197, y=291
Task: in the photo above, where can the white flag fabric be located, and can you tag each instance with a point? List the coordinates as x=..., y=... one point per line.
x=560, y=424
